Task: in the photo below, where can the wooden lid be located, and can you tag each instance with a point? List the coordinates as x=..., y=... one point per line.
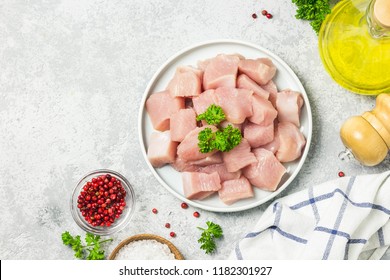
x=382, y=12
x=174, y=250
x=365, y=143
x=377, y=124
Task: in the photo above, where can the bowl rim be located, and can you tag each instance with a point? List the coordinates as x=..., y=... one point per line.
x=124, y=220
x=146, y=236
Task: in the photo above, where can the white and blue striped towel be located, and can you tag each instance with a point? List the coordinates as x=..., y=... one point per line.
x=347, y=218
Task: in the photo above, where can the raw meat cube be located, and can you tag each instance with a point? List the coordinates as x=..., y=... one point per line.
x=223, y=173
x=221, y=71
x=191, y=166
x=273, y=90
x=263, y=111
x=243, y=81
x=239, y=157
x=213, y=159
x=291, y=142
x=273, y=146
x=184, y=69
x=235, y=125
x=188, y=149
x=261, y=70
x=203, y=101
x=239, y=56
x=182, y=123
x=182, y=165
x=234, y=190
x=289, y=104
x=258, y=135
x=236, y=103
x=185, y=83
x=198, y=185
x=270, y=87
x=160, y=106
x=202, y=64
x=162, y=149
x=267, y=172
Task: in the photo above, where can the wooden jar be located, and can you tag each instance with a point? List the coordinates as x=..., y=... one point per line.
x=368, y=136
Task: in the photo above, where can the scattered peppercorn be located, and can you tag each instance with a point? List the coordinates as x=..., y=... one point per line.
x=341, y=174
x=184, y=205
x=167, y=225
x=154, y=210
x=196, y=214
x=264, y=12
x=172, y=234
x=254, y=16
x=269, y=16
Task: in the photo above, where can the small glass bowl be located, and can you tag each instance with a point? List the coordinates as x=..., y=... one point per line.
x=119, y=223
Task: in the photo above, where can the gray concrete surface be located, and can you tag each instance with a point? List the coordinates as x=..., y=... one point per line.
x=72, y=74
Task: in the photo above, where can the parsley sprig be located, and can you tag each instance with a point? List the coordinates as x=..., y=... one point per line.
x=224, y=139
x=207, y=239
x=206, y=140
x=313, y=10
x=92, y=246
x=213, y=115
x=227, y=139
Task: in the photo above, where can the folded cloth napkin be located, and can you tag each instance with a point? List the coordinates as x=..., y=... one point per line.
x=347, y=218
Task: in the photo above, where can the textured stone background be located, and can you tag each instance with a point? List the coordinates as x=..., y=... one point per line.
x=72, y=74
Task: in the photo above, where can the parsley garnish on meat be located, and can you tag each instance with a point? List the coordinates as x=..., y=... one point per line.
x=213, y=115
x=226, y=139
x=222, y=140
x=206, y=140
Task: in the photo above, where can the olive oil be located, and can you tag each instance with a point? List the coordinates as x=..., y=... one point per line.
x=355, y=58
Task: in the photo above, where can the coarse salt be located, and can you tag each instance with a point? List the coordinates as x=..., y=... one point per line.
x=145, y=250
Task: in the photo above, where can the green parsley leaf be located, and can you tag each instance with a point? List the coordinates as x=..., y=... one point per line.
x=77, y=247
x=232, y=137
x=223, y=140
x=206, y=139
x=313, y=10
x=91, y=239
x=220, y=141
x=67, y=239
x=208, y=236
x=95, y=253
x=213, y=115
x=93, y=246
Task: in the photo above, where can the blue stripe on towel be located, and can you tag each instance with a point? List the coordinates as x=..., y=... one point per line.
x=338, y=220
x=252, y=234
x=238, y=251
x=346, y=251
x=313, y=205
x=281, y=232
x=275, y=207
x=381, y=237
x=357, y=241
x=278, y=214
x=341, y=233
x=331, y=194
x=352, y=241
x=333, y=231
x=289, y=235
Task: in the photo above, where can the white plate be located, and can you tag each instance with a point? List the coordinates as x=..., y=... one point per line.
x=285, y=78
